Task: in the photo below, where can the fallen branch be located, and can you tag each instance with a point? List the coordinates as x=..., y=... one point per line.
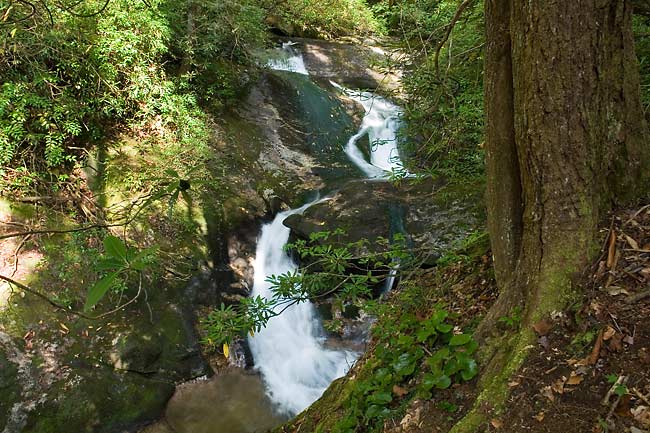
x=58, y=306
x=639, y=296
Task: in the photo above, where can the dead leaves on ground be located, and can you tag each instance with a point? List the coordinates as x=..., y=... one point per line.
x=625, y=265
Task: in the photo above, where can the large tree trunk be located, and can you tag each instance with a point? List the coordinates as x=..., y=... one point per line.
x=565, y=139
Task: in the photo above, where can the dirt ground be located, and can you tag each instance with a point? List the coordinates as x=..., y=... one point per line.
x=590, y=371
x=590, y=368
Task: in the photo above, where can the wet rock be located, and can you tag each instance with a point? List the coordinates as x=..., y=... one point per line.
x=350, y=64
x=431, y=215
x=136, y=352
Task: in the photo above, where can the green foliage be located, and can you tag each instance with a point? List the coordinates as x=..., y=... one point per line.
x=118, y=260
x=68, y=80
x=444, y=106
x=464, y=249
x=513, y=320
x=323, y=18
x=341, y=273
x=413, y=356
x=620, y=389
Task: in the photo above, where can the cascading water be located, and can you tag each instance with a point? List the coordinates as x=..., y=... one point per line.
x=381, y=123
x=288, y=60
x=289, y=353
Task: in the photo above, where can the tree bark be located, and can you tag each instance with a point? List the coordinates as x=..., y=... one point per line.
x=504, y=192
x=564, y=124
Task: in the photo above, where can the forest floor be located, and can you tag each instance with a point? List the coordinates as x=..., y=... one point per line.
x=590, y=369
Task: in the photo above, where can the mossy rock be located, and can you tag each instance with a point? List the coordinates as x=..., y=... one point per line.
x=430, y=214
x=9, y=388
x=101, y=400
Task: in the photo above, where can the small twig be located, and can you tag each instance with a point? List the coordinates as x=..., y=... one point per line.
x=66, y=309
x=641, y=396
x=622, y=380
x=450, y=27
x=17, y=251
x=639, y=296
x=637, y=213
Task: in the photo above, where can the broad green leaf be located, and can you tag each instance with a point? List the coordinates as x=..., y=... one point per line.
x=423, y=333
x=460, y=339
x=377, y=411
x=115, y=248
x=172, y=173
x=444, y=328
x=469, y=370
x=109, y=264
x=441, y=381
x=381, y=397
x=405, y=365
x=97, y=292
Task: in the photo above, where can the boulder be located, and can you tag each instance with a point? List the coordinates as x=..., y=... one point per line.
x=431, y=215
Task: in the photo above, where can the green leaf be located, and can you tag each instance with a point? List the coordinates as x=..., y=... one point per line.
x=470, y=370
x=440, y=381
x=381, y=397
x=97, y=292
x=377, y=411
x=109, y=264
x=424, y=333
x=115, y=248
x=405, y=365
x=138, y=262
x=460, y=339
x=444, y=328
x=172, y=173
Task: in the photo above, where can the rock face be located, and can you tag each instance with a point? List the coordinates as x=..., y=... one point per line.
x=431, y=215
x=349, y=64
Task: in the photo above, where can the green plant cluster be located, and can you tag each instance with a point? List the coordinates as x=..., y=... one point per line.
x=118, y=261
x=322, y=18
x=412, y=359
x=73, y=73
x=343, y=274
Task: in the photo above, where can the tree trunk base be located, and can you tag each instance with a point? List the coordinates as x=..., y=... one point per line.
x=508, y=356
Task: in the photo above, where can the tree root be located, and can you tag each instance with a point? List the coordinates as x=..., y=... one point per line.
x=508, y=358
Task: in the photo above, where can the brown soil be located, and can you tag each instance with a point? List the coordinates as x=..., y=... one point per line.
x=569, y=381
x=564, y=384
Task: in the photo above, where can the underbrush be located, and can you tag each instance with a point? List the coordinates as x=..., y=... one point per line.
x=421, y=349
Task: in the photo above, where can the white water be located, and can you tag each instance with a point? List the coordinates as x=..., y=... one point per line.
x=289, y=352
x=289, y=60
x=381, y=123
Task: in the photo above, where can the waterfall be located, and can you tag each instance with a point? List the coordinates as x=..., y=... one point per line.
x=288, y=60
x=295, y=366
x=289, y=352
x=380, y=123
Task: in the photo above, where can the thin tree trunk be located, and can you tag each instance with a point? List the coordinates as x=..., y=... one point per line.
x=504, y=193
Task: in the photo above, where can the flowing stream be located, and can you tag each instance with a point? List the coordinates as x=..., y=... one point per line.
x=289, y=352
x=380, y=123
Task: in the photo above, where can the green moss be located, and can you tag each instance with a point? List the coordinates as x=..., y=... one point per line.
x=494, y=381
